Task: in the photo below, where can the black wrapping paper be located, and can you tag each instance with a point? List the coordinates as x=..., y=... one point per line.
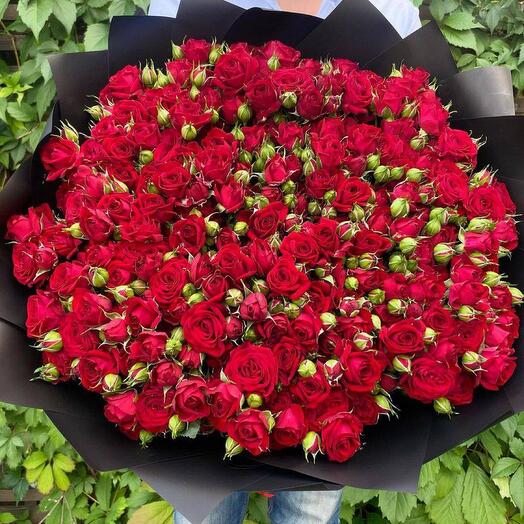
x=182, y=471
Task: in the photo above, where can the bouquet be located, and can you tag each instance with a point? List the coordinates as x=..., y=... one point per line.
x=268, y=246
x=279, y=240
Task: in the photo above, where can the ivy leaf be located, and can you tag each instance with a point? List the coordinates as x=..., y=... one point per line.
x=159, y=512
x=481, y=501
x=461, y=20
x=396, y=506
x=65, y=12
x=446, y=507
x=35, y=13
x=505, y=467
x=96, y=36
x=463, y=39
x=516, y=488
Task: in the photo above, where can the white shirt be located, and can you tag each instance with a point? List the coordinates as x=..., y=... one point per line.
x=402, y=14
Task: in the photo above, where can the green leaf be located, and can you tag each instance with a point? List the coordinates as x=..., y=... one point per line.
x=7, y=518
x=64, y=462
x=463, y=39
x=346, y=513
x=120, y=8
x=516, y=488
x=355, y=496
x=3, y=7
x=505, y=467
x=509, y=426
x=159, y=512
x=396, y=506
x=446, y=508
x=493, y=17
x=461, y=20
x=103, y=489
x=65, y=12
x=61, y=480
x=440, y=8
x=46, y=94
x=465, y=60
x=36, y=459
x=481, y=501
x=516, y=447
x=192, y=430
x=95, y=38
x=34, y=14
x=418, y=516
x=491, y=444
x=453, y=459
x=257, y=509
x=116, y=510
x=21, y=112
x=45, y=481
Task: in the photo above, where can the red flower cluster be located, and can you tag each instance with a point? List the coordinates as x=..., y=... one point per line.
x=268, y=246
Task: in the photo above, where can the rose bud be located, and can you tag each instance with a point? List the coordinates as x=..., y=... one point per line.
x=97, y=112
x=162, y=116
x=491, y=279
x=254, y=400
x=307, y=368
x=232, y=448
x=333, y=370
x=176, y=51
x=433, y=227
x=396, y=173
x=377, y=323
x=198, y=76
x=149, y=76
x=402, y=364
x=328, y=320
x=176, y=426
x=292, y=311
x=479, y=259
x=311, y=445
x=289, y=99
x=443, y=406
x=290, y=201
x=399, y=207
x=383, y=402
x=472, y=361
x=373, y=161
x=51, y=342
x=138, y=286
x=314, y=208
x=382, y=174
x=480, y=225
x=242, y=176
x=351, y=263
x=212, y=228
x=420, y=141
x=98, y=276
x=351, y=283
x=330, y=195
x=145, y=437
x=189, y=132
x=414, y=175
x=234, y=297
x=145, y=156
x=443, y=253
x=397, y=263
x=480, y=179
x=121, y=293
x=162, y=80
x=466, y=313
x=429, y=335
x=111, y=383
x=244, y=113
x=196, y=298
x=363, y=340
x=366, y=261
x=241, y=228
x=48, y=372
x=215, y=53
x=75, y=231
x=137, y=374
x=516, y=295
x=234, y=327
x=254, y=307
x=407, y=245
x=376, y=296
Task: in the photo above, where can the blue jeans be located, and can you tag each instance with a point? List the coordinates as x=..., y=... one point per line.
x=285, y=507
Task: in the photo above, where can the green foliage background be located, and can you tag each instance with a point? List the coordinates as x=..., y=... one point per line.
x=480, y=482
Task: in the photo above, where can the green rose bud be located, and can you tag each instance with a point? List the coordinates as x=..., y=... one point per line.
x=234, y=297
x=111, y=383
x=289, y=100
x=381, y=174
x=212, y=228
x=138, y=286
x=288, y=187
x=260, y=286
x=480, y=225
x=414, y=175
x=75, y=230
x=196, y=298
x=472, y=361
x=311, y=445
x=48, y=372
x=373, y=161
x=402, y=364
x=516, y=295
x=51, y=342
x=162, y=79
x=399, y=207
x=433, y=227
x=198, y=76
x=149, y=76
x=479, y=259
x=363, y=340
x=443, y=406
x=429, y=335
x=162, y=116
x=97, y=112
x=330, y=195
x=351, y=263
x=292, y=311
x=420, y=141
x=145, y=437
x=396, y=306
x=396, y=173
x=254, y=400
x=290, y=201
x=176, y=51
x=466, y=313
x=176, y=426
x=382, y=402
x=357, y=214
x=491, y=279
x=443, y=253
x=328, y=320
x=397, y=263
x=244, y=113
x=408, y=245
x=232, y=448
x=376, y=296
x=189, y=132
x=307, y=368
x=241, y=228
x=145, y=156
x=238, y=134
x=98, y=276
x=215, y=53
x=273, y=63
x=366, y=261
x=351, y=283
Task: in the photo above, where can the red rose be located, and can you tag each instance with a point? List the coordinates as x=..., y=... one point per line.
x=472, y=294
x=253, y=369
x=403, y=337
x=121, y=408
x=149, y=346
x=431, y=113
x=314, y=390
x=285, y=279
x=225, y=402
x=287, y=56
x=44, y=313
x=366, y=241
x=196, y=50
x=141, y=313
x=262, y=97
x=122, y=85
x=363, y=139
x=190, y=401
x=301, y=247
x=290, y=428
x=251, y=430
x=189, y=234
x=90, y=307
x=264, y=222
x=262, y=255
x=362, y=370
x=234, y=69
x=276, y=171
x=95, y=224
x=230, y=195
x=254, y=307
x=429, y=379
x=170, y=178
x=310, y=103
x=485, y=201
x=288, y=355
x=204, y=328
x=32, y=263
x=341, y=436
x=168, y=282
x=498, y=367
x=93, y=366
x=215, y=164
x=358, y=92
x=166, y=374
x=233, y=263
x=351, y=191
x=153, y=409
x=458, y=146
x=59, y=156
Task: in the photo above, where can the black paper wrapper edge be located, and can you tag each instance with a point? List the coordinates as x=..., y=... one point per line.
x=485, y=127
